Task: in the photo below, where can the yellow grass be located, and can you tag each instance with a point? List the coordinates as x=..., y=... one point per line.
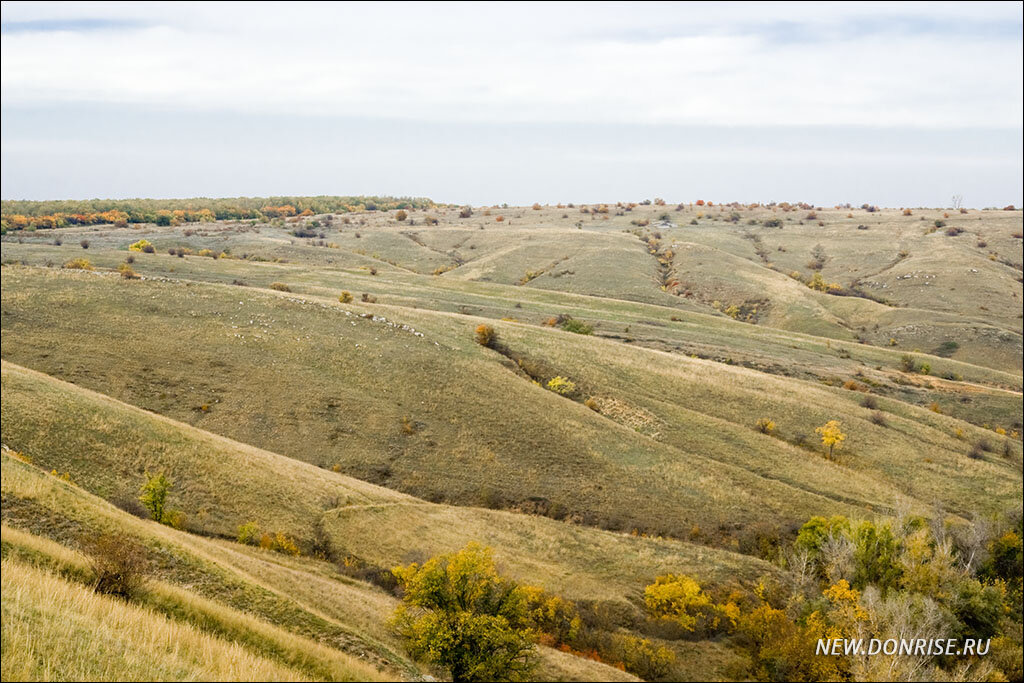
x=53, y=629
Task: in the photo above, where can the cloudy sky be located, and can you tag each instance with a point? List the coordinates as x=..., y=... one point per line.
x=888, y=103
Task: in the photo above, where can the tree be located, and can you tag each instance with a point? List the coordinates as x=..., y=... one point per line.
x=832, y=436
x=154, y=495
x=457, y=612
x=875, y=556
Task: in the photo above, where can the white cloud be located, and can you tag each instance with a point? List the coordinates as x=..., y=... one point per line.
x=934, y=65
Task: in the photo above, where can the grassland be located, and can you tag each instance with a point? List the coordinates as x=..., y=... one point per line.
x=379, y=431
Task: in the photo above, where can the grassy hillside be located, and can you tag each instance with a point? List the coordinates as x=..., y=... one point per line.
x=376, y=431
x=54, y=629
x=395, y=399
x=106, y=446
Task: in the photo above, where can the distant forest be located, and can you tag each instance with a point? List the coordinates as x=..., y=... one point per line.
x=28, y=215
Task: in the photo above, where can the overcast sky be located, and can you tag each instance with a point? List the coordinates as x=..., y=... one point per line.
x=889, y=103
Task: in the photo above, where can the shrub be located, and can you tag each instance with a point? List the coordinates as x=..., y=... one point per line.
x=765, y=426
x=643, y=658
x=465, y=212
x=680, y=599
x=280, y=287
x=118, y=564
x=153, y=495
x=346, y=297
x=175, y=519
x=561, y=385
x=84, y=244
x=78, y=264
x=458, y=613
x=249, y=533
x=282, y=543
x=126, y=272
x=870, y=402
x=485, y=335
x=817, y=530
x=555, y=617
x=875, y=556
x=878, y=418
x=577, y=326
x=593, y=404
x=142, y=245
x=536, y=206
x=401, y=215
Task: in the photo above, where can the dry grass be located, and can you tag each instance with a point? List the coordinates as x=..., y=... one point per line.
x=53, y=629
x=303, y=656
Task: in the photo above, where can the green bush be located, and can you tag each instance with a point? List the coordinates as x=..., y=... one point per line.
x=577, y=326
x=458, y=613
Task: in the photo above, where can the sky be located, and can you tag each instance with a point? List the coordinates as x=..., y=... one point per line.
x=895, y=104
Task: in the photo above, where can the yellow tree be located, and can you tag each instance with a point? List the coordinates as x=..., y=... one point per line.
x=832, y=436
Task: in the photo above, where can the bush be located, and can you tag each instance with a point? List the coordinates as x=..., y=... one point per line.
x=458, y=613
x=346, y=297
x=126, y=272
x=765, y=426
x=401, y=215
x=561, y=385
x=680, y=599
x=78, y=264
x=465, y=212
x=280, y=287
x=577, y=326
x=249, y=533
x=118, y=564
x=153, y=495
x=875, y=556
x=84, y=244
x=641, y=657
x=485, y=335
x=279, y=543
x=142, y=245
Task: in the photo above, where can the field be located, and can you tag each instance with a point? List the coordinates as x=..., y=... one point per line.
x=320, y=377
